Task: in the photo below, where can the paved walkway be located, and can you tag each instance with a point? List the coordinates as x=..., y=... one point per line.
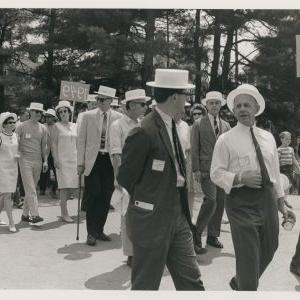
x=49, y=257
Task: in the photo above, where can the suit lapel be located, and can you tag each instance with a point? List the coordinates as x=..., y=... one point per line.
x=164, y=134
x=97, y=120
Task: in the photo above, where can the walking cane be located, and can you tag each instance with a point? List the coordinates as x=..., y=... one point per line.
x=78, y=207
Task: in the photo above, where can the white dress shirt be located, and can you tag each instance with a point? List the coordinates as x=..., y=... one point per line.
x=105, y=149
x=119, y=131
x=168, y=122
x=184, y=134
x=234, y=152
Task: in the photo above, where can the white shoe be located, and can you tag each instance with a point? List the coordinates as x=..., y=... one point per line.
x=12, y=228
x=67, y=219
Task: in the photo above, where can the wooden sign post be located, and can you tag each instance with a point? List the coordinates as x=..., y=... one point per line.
x=74, y=91
x=298, y=54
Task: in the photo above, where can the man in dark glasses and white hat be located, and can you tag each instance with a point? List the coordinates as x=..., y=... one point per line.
x=154, y=174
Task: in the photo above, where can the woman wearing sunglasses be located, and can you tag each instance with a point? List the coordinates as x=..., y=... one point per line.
x=64, y=153
x=8, y=164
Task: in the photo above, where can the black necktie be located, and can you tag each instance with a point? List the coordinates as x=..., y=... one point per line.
x=178, y=150
x=263, y=169
x=216, y=127
x=103, y=131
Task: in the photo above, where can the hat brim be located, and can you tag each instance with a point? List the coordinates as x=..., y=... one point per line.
x=144, y=99
x=257, y=96
x=39, y=109
x=204, y=101
x=61, y=106
x=48, y=114
x=175, y=87
x=10, y=115
x=106, y=95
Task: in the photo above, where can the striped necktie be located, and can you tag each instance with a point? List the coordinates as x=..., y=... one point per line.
x=216, y=127
x=103, y=131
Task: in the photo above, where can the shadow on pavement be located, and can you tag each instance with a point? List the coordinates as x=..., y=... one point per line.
x=212, y=253
x=117, y=279
x=78, y=251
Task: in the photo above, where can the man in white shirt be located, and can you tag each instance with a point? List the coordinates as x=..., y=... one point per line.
x=135, y=107
x=245, y=164
x=94, y=162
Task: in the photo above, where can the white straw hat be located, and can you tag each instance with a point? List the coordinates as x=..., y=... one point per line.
x=246, y=89
x=64, y=103
x=213, y=95
x=171, y=79
x=115, y=103
x=36, y=106
x=107, y=92
x=138, y=94
x=51, y=112
x=4, y=116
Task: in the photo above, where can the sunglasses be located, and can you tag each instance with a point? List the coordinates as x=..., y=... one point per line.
x=37, y=111
x=103, y=99
x=197, y=114
x=140, y=103
x=63, y=111
x=11, y=122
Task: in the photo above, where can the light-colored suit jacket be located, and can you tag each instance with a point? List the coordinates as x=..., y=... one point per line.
x=89, y=135
x=203, y=140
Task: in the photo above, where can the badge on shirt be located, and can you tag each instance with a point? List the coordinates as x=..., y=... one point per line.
x=158, y=165
x=143, y=205
x=244, y=161
x=27, y=136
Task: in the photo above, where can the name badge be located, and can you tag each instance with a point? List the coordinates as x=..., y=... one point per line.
x=244, y=161
x=144, y=205
x=158, y=165
x=27, y=136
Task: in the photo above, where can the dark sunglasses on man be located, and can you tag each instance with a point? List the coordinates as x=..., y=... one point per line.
x=37, y=111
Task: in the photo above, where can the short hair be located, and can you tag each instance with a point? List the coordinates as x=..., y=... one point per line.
x=161, y=94
x=284, y=133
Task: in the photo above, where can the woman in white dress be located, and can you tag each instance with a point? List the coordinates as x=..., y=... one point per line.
x=8, y=164
x=65, y=156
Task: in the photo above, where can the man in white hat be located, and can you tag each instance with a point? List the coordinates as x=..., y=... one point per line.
x=34, y=159
x=245, y=164
x=205, y=133
x=50, y=118
x=94, y=162
x=153, y=172
x=135, y=107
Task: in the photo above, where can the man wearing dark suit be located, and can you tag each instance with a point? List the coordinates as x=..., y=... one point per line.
x=153, y=172
x=93, y=160
x=203, y=138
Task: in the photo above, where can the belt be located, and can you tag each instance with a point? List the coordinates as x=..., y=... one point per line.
x=103, y=153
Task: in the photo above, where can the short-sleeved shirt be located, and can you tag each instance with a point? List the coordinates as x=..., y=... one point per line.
x=285, y=155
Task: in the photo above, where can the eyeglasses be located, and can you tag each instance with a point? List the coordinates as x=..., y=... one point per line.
x=197, y=114
x=102, y=99
x=63, y=111
x=11, y=122
x=143, y=104
x=37, y=111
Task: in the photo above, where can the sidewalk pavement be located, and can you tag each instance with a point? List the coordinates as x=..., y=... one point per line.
x=49, y=257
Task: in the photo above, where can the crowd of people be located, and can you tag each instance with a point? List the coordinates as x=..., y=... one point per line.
x=152, y=156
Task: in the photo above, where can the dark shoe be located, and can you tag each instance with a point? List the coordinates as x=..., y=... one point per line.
x=233, y=284
x=104, y=237
x=36, y=219
x=129, y=261
x=200, y=250
x=25, y=218
x=295, y=270
x=91, y=241
x=42, y=193
x=214, y=242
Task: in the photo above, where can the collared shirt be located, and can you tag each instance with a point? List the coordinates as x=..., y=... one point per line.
x=168, y=122
x=234, y=152
x=184, y=134
x=119, y=131
x=211, y=120
x=105, y=149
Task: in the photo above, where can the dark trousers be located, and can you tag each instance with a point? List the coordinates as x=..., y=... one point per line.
x=45, y=177
x=99, y=186
x=296, y=258
x=177, y=252
x=253, y=217
x=212, y=209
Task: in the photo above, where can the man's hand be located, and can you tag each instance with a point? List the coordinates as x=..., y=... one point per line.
x=45, y=166
x=197, y=175
x=251, y=179
x=80, y=169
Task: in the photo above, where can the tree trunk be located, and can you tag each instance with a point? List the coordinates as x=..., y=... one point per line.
x=236, y=59
x=214, y=80
x=147, y=71
x=226, y=61
x=198, y=57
